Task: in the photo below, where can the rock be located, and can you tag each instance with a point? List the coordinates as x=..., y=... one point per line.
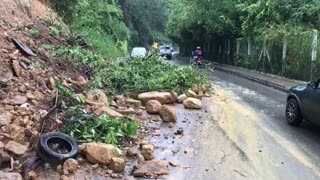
x=181, y=98
x=30, y=95
x=207, y=95
x=16, y=148
x=114, y=104
x=200, y=94
x=192, y=103
x=191, y=93
x=136, y=104
x=162, y=97
x=171, y=125
x=106, y=110
x=70, y=166
x=117, y=164
x=17, y=133
x=81, y=81
x=114, y=176
x=100, y=153
x=22, y=89
x=151, y=168
x=51, y=83
x=131, y=152
x=174, y=97
x=139, y=112
x=140, y=158
x=16, y=67
x=1, y=145
x=125, y=111
x=18, y=100
x=10, y=176
x=168, y=113
x=5, y=119
x=121, y=100
x=64, y=177
x=109, y=171
x=97, y=99
x=3, y=95
x=147, y=152
x=153, y=106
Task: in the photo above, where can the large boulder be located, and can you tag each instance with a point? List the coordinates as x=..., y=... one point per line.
x=100, y=110
x=192, y=103
x=151, y=168
x=153, y=106
x=181, y=98
x=162, y=97
x=99, y=153
x=16, y=148
x=117, y=165
x=168, y=113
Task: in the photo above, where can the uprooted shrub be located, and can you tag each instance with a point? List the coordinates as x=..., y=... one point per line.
x=84, y=126
x=123, y=75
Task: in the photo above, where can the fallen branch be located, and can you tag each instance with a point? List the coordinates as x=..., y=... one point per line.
x=239, y=173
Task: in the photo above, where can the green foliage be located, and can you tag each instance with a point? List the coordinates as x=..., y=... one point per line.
x=82, y=125
x=35, y=33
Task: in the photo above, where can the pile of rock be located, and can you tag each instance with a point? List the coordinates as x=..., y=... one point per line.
x=147, y=165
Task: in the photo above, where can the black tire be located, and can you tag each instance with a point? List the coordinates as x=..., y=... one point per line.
x=293, y=113
x=52, y=157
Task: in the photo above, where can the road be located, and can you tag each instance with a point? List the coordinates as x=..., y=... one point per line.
x=252, y=119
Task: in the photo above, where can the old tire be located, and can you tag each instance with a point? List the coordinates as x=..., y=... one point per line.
x=51, y=156
x=293, y=113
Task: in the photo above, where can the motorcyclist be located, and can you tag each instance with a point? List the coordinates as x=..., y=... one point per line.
x=197, y=54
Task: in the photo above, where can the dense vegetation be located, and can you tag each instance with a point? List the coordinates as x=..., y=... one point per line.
x=267, y=23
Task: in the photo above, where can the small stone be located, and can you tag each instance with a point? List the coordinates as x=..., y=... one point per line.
x=147, y=152
x=18, y=100
x=95, y=166
x=70, y=166
x=140, y=158
x=59, y=168
x=16, y=148
x=131, y=152
x=10, y=176
x=1, y=145
x=117, y=164
x=109, y=171
x=171, y=125
x=114, y=175
x=22, y=89
x=3, y=95
x=142, y=143
x=5, y=119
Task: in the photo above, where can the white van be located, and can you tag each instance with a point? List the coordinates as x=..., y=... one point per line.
x=139, y=52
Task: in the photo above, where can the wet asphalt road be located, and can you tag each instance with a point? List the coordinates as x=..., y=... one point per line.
x=254, y=120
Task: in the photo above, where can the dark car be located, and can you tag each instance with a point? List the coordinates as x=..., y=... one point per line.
x=303, y=102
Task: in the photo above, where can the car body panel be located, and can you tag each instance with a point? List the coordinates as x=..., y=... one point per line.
x=165, y=50
x=308, y=99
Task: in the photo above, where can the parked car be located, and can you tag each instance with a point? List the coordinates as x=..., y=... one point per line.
x=166, y=51
x=139, y=52
x=303, y=103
